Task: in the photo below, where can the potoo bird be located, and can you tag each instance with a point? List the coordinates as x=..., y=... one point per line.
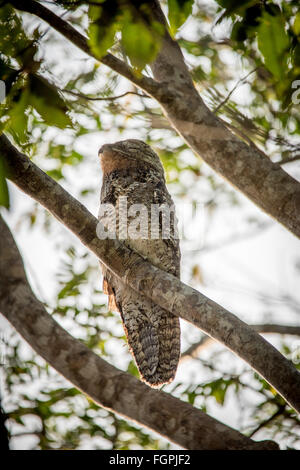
x=136, y=206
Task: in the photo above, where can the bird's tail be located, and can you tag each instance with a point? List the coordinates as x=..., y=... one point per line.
x=154, y=340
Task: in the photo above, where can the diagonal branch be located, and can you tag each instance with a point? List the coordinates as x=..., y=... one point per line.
x=163, y=288
x=68, y=31
x=205, y=341
x=102, y=98
x=279, y=412
x=109, y=387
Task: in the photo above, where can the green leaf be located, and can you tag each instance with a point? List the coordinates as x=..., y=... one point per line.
x=4, y=195
x=273, y=43
x=8, y=75
x=101, y=39
x=12, y=37
x=45, y=98
x=132, y=369
x=82, y=78
x=296, y=25
x=191, y=397
x=55, y=174
x=230, y=4
x=18, y=117
x=178, y=12
x=141, y=43
x=105, y=22
x=218, y=389
x=234, y=7
x=219, y=395
x=239, y=32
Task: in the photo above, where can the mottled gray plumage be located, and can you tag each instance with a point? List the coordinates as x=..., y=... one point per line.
x=132, y=169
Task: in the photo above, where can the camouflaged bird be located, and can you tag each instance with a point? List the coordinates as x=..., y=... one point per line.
x=133, y=174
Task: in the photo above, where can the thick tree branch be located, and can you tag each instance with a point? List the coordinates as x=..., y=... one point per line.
x=163, y=288
x=262, y=181
x=115, y=390
x=206, y=341
x=4, y=439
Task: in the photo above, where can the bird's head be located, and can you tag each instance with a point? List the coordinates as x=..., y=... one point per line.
x=128, y=153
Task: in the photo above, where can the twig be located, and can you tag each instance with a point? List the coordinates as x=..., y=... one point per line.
x=241, y=134
x=206, y=341
x=239, y=82
x=108, y=98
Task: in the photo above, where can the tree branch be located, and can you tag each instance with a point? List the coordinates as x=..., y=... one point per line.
x=235, y=238
x=241, y=81
x=163, y=288
x=263, y=182
x=205, y=341
x=79, y=40
x=4, y=437
x=109, y=387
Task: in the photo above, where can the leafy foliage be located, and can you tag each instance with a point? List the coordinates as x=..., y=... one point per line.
x=49, y=114
x=4, y=196
x=141, y=42
x=26, y=90
x=273, y=43
x=274, y=28
x=105, y=21
x=178, y=12
x=140, y=34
